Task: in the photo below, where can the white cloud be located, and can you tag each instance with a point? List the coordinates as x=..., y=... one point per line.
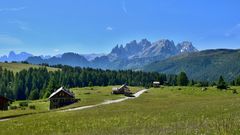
x=9, y=40
x=21, y=25
x=24, y=28
x=109, y=28
x=234, y=31
x=12, y=9
x=124, y=8
x=56, y=50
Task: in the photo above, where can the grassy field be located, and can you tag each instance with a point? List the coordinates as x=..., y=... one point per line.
x=169, y=110
x=87, y=95
x=16, y=67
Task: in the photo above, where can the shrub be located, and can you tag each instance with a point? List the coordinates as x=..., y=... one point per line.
x=33, y=107
x=13, y=107
x=234, y=91
x=204, y=89
x=87, y=93
x=23, y=104
x=198, y=85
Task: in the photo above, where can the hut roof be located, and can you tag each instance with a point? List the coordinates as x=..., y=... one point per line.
x=62, y=89
x=124, y=85
x=6, y=98
x=156, y=82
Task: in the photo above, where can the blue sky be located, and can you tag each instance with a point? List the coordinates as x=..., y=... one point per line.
x=51, y=27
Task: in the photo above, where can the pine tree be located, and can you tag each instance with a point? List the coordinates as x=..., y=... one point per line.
x=238, y=81
x=221, y=83
x=233, y=83
x=34, y=95
x=182, y=79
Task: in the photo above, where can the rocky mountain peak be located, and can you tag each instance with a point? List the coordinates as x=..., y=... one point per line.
x=164, y=46
x=145, y=43
x=12, y=54
x=186, y=47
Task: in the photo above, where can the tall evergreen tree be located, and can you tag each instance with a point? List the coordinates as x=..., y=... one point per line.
x=238, y=81
x=182, y=79
x=221, y=83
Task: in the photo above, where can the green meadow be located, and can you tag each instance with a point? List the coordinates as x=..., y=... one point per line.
x=167, y=110
x=87, y=96
x=16, y=67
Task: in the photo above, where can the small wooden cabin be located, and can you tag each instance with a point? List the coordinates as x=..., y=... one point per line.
x=124, y=89
x=61, y=97
x=4, y=103
x=156, y=84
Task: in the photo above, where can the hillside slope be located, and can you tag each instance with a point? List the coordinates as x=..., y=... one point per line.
x=206, y=65
x=16, y=67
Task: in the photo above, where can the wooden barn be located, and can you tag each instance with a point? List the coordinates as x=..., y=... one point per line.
x=156, y=84
x=124, y=89
x=61, y=97
x=4, y=103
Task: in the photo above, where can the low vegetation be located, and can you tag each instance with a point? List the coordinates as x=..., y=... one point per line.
x=166, y=110
x=87, y=96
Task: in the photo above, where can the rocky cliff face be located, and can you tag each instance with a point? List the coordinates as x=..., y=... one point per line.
x=186, y=47
x=145, y=48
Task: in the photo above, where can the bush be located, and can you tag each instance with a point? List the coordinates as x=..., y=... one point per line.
x=204, y=89
x=13, y=107
x=23, y=104
x=33, y=107
x=198, y=85
x=24, y=62
x=87, y=93
x=234, y=91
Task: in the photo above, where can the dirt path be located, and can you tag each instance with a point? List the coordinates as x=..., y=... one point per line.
x=91, y=106
x=106, y=102
x=3, y=120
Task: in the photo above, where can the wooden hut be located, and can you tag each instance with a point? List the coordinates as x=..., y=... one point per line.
x=156, y=84
x=4, y=103
x=61, y=97
x=124, y=89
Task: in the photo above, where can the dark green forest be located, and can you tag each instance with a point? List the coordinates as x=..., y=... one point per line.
x=205, y=65
x=36, y=83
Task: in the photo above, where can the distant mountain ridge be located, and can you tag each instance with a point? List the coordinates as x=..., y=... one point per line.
x=23, y=56
x=205, y=65
x=134, y=55
x=12, y=56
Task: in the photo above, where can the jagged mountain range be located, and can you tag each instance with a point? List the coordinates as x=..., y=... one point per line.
x=134, y=55
x=23, y=56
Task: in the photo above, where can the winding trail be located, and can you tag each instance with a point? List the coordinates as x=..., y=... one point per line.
x=136, y=95
x=4, y=120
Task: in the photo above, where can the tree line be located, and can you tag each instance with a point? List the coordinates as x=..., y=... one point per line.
x=37, y=83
